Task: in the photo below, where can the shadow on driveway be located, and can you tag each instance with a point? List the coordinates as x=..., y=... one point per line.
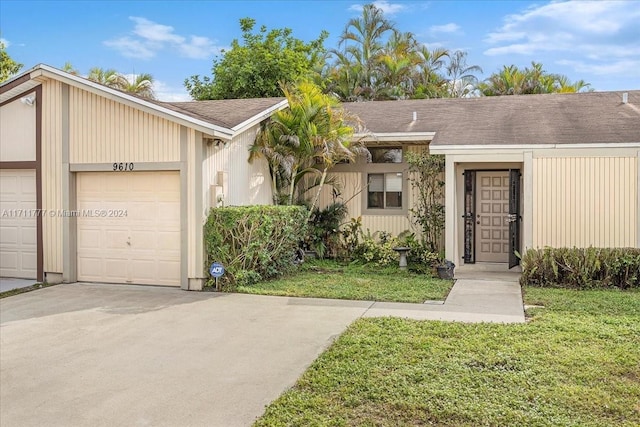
x=109, y=298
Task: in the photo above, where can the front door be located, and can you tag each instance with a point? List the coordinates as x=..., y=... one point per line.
x=514, y=217
x=492, y=216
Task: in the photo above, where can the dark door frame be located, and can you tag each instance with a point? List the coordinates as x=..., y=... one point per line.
x=469, y=214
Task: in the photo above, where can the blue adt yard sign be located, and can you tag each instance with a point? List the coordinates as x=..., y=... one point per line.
x=216, y=270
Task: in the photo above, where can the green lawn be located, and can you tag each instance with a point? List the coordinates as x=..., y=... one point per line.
x=325, y=279
x=576, y=363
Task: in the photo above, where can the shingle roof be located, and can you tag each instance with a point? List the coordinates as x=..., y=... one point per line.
x=227, y=113
x=581, y=118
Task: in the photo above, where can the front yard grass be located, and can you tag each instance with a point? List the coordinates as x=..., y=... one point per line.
x=327, y=279
x=575, y=363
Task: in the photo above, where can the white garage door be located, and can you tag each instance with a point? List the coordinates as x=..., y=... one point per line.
x=129, y=227
x=18, y=223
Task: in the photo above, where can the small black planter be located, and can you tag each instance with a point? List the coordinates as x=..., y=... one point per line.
x=445, y=270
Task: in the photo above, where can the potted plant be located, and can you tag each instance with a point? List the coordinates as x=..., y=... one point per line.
x=445, y=269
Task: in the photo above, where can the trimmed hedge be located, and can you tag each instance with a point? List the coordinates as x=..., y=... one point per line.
x=582, y=268
x=253, y=242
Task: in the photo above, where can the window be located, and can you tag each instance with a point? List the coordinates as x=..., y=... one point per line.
x=384, y=191
x=385, y=155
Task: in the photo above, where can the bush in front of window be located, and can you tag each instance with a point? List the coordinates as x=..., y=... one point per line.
x=324, y=230
x=377, y=248
x=253, y=242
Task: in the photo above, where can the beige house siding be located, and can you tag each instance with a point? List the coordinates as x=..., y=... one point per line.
x=195, y=212
x=230, y=179
x=18, y=131
x=585, y=201
x=350, y=186
x=105, y=131
x=52, y=176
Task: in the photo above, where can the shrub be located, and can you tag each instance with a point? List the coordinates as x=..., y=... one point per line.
x=582, y=268
x=254, y=242
x=428, y=185
x=377, y=248
x=324, y=229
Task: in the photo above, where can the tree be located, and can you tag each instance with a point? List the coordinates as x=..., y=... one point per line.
x=375, y=61
x=397, y=67
x=362, y=46
x=8, y=67
x=137, y=84
x=429, y=82
x=511, y=80
x=306, y=139
x=69, y=68
x=255, y=66
x=462, y=80
x=109, y=77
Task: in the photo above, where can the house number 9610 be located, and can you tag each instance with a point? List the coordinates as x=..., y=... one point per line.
x=121, y=167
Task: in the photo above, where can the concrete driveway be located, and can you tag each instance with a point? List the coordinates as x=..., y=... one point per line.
x=109, y=355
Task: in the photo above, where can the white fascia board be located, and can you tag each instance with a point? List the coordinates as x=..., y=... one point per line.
x=395, y=136
x=454, y=149
x=259, y=117
x=115, y=95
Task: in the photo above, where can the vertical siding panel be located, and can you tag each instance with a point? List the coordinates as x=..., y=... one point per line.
x=106, y=131
x=51, y=175
x=585, y=201
x=614, y=212
x=580, y=202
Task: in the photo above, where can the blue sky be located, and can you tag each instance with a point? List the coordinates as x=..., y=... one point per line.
x=597, y=41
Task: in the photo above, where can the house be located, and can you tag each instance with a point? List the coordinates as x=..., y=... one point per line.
x=528, y=171
x=98, y=185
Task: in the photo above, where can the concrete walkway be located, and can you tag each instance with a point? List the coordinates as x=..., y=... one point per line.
x=9, y=283
x=117, y=355
x=475, y=297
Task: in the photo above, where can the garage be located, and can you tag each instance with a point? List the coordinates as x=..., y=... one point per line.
x=128, y=227
x=18, y=256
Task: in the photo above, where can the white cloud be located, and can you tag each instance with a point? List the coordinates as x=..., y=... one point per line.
x=148, y=38
x=620, y=68
x=446, y=28
x=155, y=32
x=590, y=37
x=167, y=93
x=5, y=42
x=385, y=6
x=569, y=26
x=132, y=48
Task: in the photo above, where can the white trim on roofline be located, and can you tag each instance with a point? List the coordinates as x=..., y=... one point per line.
x=205, y=127
x=239, y=128
x=452, y=149
x=395, y=136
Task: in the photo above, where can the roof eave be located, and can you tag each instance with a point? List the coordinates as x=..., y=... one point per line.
x=252, y=121
x=409, y=137
x=45, y=71
x=461, y=148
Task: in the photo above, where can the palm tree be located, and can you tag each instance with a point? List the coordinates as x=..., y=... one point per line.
x=362, y=43
x=511, y=80
x=566, y=86
x=429, y=81
x=138, y=84
x=109, y=77
x=462, y=80
x=308, y=138
x=396, y=65
x=69, y=68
